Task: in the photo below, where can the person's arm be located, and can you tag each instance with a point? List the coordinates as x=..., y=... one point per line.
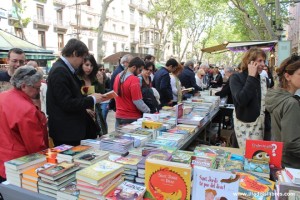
x=140, y=104
x=32, y=128
x=62, y=87
x=137, y=97
x=289, y=124
x=225, y=91
x=241, y=92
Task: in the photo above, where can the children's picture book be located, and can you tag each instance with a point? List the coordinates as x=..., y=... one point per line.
x=182, y=156
x=207, y=162
x=31, y=173
x=258, y=167
x=130, y=161
x=211, y=184
x=127, y=190
x=74, y=151
x=151, y=124
x=25, y=161
x=269, y=151
x=167, y=180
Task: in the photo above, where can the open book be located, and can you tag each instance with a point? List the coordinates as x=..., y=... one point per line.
x=110, y=95
x=188, y=89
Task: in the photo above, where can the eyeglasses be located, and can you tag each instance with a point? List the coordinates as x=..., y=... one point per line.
x=101, y=69
x=34, y=87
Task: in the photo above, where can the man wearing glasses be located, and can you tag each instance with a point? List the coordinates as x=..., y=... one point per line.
x=15, y=59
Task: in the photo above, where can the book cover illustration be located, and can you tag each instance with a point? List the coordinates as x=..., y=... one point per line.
x=87, y=90
x=32, y=172
x=51, y=153
x=167, y=180
x=151, y=124
x=57, y=169
x=182, y=156
x=259, y=166
x=126, y=190
x=129, y=160
x=269, y=151
x=214, y=184
x=91, y=155
x=25, y=159
x=70, y=189
x=75, y=150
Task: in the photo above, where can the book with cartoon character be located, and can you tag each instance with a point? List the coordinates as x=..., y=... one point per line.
x=269, y=151
x=211, y=184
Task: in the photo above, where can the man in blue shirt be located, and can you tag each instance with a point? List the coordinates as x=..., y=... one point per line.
x=162, y=82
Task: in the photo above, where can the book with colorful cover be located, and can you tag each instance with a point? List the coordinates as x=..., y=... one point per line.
x=25, y=161
x=59, y=170
x=207, y=162
x=269, y=151
x=74, y=151
x=167, y=180
x=99, y=172
x=158, y=143
x=155, y=155
x=91, y=156
x=258, y=167
x=88, y=90
x=213, y=184
x=189, y=128
x=51, y=153
x=182, y=156
x=127, y=190
x=31, y=173
x=129, y=161
x=151, y=124
x=110, y=95
x=255, y=187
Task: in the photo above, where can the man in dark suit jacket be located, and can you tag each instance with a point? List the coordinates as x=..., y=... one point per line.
x=225, y=91
x=66, y=106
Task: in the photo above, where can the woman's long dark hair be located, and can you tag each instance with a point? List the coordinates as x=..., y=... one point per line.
x=92, y=75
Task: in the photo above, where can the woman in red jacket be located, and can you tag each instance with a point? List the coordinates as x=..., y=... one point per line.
x=23, y=128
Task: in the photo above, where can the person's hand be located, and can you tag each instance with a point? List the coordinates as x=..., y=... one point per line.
x=252, y=68
x=197, y=94
x=99, y=97
x=100, y=77
x=91, y=113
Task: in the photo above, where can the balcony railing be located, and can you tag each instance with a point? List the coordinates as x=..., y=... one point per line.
x=60, y=2
x=40, y=20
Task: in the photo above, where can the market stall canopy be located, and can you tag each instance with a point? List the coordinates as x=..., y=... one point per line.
x=240, y=46
x=32, y=51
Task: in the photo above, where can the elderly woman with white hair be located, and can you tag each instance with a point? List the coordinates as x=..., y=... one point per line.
x=23, y=127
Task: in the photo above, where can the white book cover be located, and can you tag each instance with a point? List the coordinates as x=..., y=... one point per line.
x=214, y=184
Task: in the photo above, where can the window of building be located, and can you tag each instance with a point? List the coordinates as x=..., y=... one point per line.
x=42, y=38
x=132, y=48
x=115, y=47
x=113, y=9
x=89, y=21
x=132, y=33
x=123, y=47
x=90, y=44
x=59, y=16
x=123, y=28
x=131, y=12
x=114, y=27
x=104, y=46
x=141, y=18
x=60, y=38
x=19, y=32
x=147, y=37
x=146, y=50
x=141, y=38
x=40, y=12
x=122, y=14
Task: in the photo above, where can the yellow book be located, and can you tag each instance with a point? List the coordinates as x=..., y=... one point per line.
x=167, y=180
x=99, y=172
x=151, y=124
x=87, y=90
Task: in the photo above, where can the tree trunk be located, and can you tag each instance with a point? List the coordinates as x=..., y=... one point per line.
x=18, y=11
x=265, y=20
x=100, y=53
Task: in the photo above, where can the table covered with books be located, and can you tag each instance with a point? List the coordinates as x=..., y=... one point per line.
x=146, y=159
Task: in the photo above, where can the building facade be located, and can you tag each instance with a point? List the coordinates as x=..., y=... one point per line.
x=294, y=28
x=51, y=23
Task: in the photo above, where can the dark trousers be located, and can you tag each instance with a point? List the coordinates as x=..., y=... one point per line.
x=2, y=179
x=73, y=143
x=120, y=122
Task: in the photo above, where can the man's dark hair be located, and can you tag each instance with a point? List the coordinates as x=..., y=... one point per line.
x=137, y=62
x=92, y=75
x=15, y=50
x=172, y=62
x=74, y=45
x=148, y=65
x=148, y=58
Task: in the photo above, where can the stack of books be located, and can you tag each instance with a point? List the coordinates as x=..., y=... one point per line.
x=138, y=140
x=91, y=142
x=182, y=156
x=288, y=182
x=90, y=157
x=70, y=154
x=30, y=177
x=51, y=153
x=204, y=162
x=152, y=154
x=116, y=144
x=69, y=192
x=178, y=138
x=160, y=142
x=130, y=163
x=97, y=180
x=56, y=177
x=128, y=190
x=15, y=167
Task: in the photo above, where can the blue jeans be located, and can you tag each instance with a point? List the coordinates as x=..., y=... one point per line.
x=104, y=108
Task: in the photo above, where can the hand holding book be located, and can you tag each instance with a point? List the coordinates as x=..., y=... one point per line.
x=186, y=90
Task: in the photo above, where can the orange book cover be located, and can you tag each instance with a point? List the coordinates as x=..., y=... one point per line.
x=51, y=153
x=31, y=173
x=167, y=180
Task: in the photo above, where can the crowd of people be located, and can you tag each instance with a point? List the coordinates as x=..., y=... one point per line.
x=72, y=105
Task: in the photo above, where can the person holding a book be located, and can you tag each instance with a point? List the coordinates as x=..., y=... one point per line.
x=248, y=91
x=23, y=127
x=129, y=102
x=284, y=108
x=92, y=82
x=66, y=105
x=176, y=85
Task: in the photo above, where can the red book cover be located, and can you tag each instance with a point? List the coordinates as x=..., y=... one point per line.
x=269, y=151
